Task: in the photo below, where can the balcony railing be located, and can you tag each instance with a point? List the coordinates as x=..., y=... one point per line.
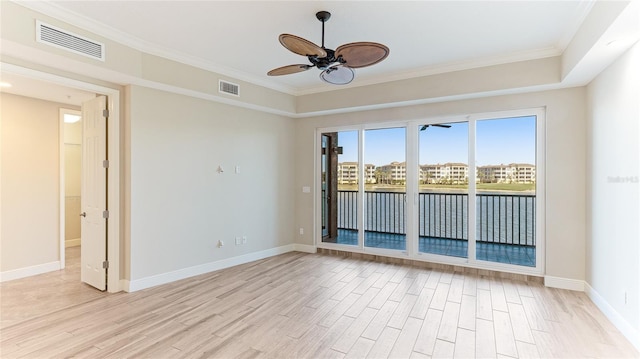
x=500, y=218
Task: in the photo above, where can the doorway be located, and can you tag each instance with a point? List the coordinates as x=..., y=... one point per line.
x=329, y=184
x=70, y=180
x=50, y=81
x=340, y=191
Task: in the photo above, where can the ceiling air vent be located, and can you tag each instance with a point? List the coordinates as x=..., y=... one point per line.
x=229, y=88
x=63, y=39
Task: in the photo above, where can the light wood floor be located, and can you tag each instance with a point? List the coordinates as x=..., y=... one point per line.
x=305, y=305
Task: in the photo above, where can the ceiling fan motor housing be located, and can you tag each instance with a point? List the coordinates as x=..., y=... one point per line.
x=325, y=62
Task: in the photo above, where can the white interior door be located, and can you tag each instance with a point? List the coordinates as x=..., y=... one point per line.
x=94, y=193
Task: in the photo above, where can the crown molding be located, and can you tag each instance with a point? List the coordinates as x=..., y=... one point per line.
x=585, y=7
x=448, y=67
x=126, y=39
x=108, y=32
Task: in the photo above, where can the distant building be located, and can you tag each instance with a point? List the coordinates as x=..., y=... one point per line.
x=525, y=172
x=369, y=173
x=511, y=173
x=393, y=173
x=448, y=173
x=348, y=173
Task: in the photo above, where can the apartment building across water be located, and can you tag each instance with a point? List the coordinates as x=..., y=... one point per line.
x=447, y=173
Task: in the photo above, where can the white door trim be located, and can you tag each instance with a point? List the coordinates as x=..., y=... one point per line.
x=113, y=237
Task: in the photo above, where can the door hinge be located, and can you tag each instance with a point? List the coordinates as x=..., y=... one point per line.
x=105, y=164
x=105, y=214
x=105, y=113
x=105, y=264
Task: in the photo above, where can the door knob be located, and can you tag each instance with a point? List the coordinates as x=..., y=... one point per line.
x=83, y=214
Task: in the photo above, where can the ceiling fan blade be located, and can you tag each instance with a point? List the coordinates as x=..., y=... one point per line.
x=301, y=46
x=424, y=127
x=362, y=54
x=289, y=69
x=338, y=75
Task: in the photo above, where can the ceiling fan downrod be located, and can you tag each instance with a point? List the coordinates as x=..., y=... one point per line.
x=323, y=16
x=324, y=63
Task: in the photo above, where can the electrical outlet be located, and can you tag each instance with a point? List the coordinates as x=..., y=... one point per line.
x=625, y=298
x=301, y=231
x=244, y=239
x=238, y=241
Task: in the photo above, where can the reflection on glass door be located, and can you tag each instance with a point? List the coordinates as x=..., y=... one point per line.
x=385, y=188
x=443, y=189
x=339, y=181
x=506, y=190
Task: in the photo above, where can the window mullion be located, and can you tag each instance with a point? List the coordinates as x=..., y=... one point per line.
x=412, y=189
x=361, y=182
x=471, y=196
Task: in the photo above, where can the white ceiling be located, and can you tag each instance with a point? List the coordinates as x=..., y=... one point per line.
x=240, y=38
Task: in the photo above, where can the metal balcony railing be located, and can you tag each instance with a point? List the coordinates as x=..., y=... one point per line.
x=500, y=218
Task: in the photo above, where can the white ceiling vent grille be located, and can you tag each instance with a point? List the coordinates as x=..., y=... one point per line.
x=228, y=88
x=64, y=39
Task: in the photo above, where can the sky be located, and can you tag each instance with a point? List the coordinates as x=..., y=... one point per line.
x=499, y=141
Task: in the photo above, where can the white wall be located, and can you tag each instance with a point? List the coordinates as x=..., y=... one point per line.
x=565, y=164
x=30, y=180
x=180, y=206
x=613, y=196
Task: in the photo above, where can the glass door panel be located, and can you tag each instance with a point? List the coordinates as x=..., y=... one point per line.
x=385, y=188
x=506, y=190
x=443, y=189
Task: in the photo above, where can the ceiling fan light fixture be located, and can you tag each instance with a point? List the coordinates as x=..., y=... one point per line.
x=337, y=66
x=338, y=75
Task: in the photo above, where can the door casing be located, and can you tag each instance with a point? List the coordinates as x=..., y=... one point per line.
x=113, y=255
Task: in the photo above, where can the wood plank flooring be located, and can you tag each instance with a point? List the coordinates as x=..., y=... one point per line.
x=300, y=305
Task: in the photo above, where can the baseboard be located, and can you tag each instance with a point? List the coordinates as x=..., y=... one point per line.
x=29, y=271
x=72, y=243
x=125, y=285
x=632, y=334
x=564, y=283
x=152, y=281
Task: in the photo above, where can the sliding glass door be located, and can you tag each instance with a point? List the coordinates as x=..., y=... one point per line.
x=443, y=189
x=506, y=190
x=385, y=188
x=462, y=190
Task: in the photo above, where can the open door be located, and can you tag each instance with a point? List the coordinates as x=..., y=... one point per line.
x=329, y=182
x=94, y=193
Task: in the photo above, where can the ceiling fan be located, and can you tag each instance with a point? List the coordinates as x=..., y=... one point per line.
x=337, y=66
